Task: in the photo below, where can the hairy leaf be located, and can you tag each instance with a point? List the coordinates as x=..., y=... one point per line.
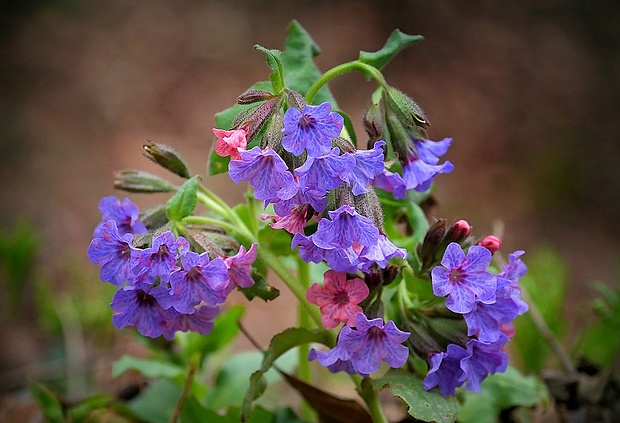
x=394, y=44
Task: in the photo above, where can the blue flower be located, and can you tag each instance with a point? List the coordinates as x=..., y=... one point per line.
x=144, y=308
x=115, y=254
x=420, y=166
x=266, y=172
x=371, y=343
x=201, y=321
x=200, y=281
x=390, y=182
x=125, y=214
x=311, y=129
x=326, y=171
x=345, y=227
x=482, y=360
x=513, y=271
x=445, y=370
x=160, y=260
x=464, y=278
x=367, y=165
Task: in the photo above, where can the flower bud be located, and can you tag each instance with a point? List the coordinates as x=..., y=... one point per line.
x=295, y=100
x=432, y=241
x=254, y=96
x=491, y=243
x=214, y=242
x=273, y=134
x=138, y=181
x=368, y=205
x=373, y=122
x=420, y=342
x=167, y=158
x=408, y=111
x=253, y=120
x=458, y=232
x=154, y=217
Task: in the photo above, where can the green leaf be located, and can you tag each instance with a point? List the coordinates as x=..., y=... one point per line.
x=428, y=406
x=157, y=403
x=274, y=60
x=148, y=368
x=348, y=125
x=500, y=392
x=276, y=240
x=260, y=289
x=182, y=203
x=82, y=411
x=300, y=71
x=48, y=402
x=280, y=343
x=394, y=44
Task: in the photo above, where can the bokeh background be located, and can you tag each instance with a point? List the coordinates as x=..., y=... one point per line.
x=529, y=90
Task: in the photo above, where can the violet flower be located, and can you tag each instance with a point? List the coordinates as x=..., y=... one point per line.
x=312, y=129
x=125, y=214
x=115, y=254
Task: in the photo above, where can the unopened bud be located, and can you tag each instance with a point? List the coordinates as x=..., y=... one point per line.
x=273, y=134
x=167, y=157
x=345, y=145
x=254, y=119
x=138, y=181
x=154, y=217
x=254, y=96
x=491, y=243
x=214, y=242
x=458, y=232
x=368, y=205
x=432, y=240
x=373, y=121
x=295, y=100
x=409, y=112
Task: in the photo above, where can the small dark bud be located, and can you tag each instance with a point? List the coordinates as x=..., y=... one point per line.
x=295, y=100
x=408, y=111
x=273, y=134
x=458, y=232
x=491, y=243
x=373, y=122
x=389, y=274
x=168, y=158
x=138, y=181
x=254, y=120
x=432, y=241
x=373, y=279
x=344, y=145
x=254, y=96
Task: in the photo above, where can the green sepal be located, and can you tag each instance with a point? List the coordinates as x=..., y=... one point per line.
x=182, y=203
x=395, y=43
x=428, y=406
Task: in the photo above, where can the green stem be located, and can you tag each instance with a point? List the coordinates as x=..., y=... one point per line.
x=354, y=65
x=242, y=232
x=192, y=367
x=290, y=281
x=304, y=321
x=370, y=397
x=214, y=206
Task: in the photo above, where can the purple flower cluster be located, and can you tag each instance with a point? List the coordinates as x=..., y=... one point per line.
x=166, y=287
x=489, y=303
x=361, y=350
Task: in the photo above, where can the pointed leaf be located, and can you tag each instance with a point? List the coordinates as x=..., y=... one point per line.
x=429, y=406
x=182, y=203
x=274, y=60
x=260, y=289
x=48, y=402
x=395, y=43
x=148, y=368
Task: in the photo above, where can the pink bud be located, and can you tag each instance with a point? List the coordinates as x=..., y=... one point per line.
x=491, y=243
x=458, y=231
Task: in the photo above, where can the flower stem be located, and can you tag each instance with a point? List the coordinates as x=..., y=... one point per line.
x=370, y=397
x=332, y=73
x=304, y=321
x=194, y=362
x=242, y=232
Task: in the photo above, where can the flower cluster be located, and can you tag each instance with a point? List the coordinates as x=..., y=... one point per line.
x=165, y=287
x=488, y=303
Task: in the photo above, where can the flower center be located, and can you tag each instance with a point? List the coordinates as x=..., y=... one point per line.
x=341, y=298
x=306, y=122
x=124, y=251
x=144, y=299
x=456, y=275
x=375, y=333
x=194, y=275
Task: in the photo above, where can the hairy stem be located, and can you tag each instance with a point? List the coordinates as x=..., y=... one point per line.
x=194, y=362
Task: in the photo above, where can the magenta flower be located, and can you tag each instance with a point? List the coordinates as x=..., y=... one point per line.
x=312, y=129
x=338, y=298
x=239, y=268
x=464, y=278
x=228, y=141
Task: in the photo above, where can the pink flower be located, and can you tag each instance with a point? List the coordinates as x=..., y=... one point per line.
x=293, y=222
x=228, y=141
x=239, y=268
x=338, y=298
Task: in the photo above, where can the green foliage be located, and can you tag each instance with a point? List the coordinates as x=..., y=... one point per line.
x=274, y=60
x=182, y=203
x=428, y=406
x=48, y=403
x=545, y=283
x=501, y=391
x=395, y=43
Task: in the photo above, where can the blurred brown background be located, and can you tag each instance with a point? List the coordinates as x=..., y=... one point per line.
x=529, y=90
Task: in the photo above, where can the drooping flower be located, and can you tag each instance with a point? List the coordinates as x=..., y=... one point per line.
x=312, y=129
x=115, y=254
x=338, y=298
x=124, y=213
x=160, y=260
x=464, y=278
x=200, y=281
x=239, y=268
x=513, y=271
x=445, y=370
x=390, y=182
x=345, y=227
x=266, y=172
x=380, y=253
x=293, y=222
x=420, y=165
x=482, y=360
x=335, y=360
x=144, y=308
x=327, y=171
x=368, y=164
x=228, y=142
x=200, y=321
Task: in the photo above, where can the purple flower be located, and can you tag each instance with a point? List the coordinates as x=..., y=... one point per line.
x=311, y=129
x=390, y=182
x=464, y=278
x=201, y=321
x=445, y=370
x=513, y=271
x=143, y=308
x=160, y=260
x=326, y=171
x=367, y=165
x=420, y=166
x=125, y=214
x=381, y=252
x=239, y=268
x=482, y=360
x=115, y=254
x=366, y=347
x=266, y=172
x=485, y=320
x=200, y=281
x=336, y=360
x=306, y=194
x=345, y=227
